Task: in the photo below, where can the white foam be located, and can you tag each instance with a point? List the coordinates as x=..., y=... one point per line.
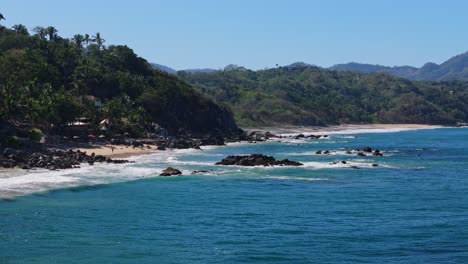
x=349, y=164
x=174, y=160
x=360, y=131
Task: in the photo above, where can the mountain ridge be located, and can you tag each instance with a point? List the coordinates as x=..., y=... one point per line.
x=455, y=68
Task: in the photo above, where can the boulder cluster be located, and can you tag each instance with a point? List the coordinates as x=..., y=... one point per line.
x=256, y=160
x=50, y=159
x=362, y=153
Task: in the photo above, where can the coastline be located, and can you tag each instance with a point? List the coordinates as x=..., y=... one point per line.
x=126, y=152
x=348, y=128
x=118, y=151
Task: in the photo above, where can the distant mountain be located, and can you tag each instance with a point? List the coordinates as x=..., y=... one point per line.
x=173, y=71
x=200, y=70
x=455, y=68
x=163, y=68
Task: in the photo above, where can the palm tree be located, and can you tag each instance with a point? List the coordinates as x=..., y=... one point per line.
x=99, y=41
x=52, y=32
x=87, y=39
x=40, y=31
x=78, y=40
x=21, y=29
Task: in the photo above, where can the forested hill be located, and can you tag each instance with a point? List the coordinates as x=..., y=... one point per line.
x=47, y=81
x=314, y=96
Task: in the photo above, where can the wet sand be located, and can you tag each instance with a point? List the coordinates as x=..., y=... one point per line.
x=118, y=151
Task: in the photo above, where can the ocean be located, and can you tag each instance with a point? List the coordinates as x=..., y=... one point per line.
x=411, y=208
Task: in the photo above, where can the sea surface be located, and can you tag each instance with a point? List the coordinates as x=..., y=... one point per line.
x=412, y=208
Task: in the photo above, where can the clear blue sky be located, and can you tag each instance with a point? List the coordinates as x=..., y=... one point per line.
x=261, y=33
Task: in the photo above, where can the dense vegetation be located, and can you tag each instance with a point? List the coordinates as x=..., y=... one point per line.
x=455, y=68
x=47, y=81
x=313, y=96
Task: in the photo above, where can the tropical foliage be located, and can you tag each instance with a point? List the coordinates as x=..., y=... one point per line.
x=47, y=81
x=307, y=95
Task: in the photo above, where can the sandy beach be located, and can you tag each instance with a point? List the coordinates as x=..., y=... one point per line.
x=126, y=151
x=118, y=151
x=338, y=128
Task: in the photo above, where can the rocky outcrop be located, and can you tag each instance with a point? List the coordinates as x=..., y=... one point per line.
x=367, y=149
x=51, y=159
x=256, y=160
x=170, y=172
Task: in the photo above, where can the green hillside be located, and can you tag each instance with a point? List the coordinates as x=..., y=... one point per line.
x=47, y=81
x=314, y=96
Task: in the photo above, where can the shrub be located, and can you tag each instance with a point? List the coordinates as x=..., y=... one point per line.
x=35, y=134
x=13, y=141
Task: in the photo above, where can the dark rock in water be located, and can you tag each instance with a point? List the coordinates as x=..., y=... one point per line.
x=170, y=172
x=199, y=171
x=161, y=148
x=319, y=152
x=100, y=158
x=367, y=149
x=256, y=160
x=375, y=165
x=361, y=154
x=377, y=153
x=349, y=152
x=344, y=162
x=326, y=152
x=268, y=135
x=354, y=167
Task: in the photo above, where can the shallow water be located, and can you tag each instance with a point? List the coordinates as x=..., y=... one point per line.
x=412, y=208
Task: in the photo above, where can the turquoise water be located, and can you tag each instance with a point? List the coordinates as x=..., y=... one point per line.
x=412, y=208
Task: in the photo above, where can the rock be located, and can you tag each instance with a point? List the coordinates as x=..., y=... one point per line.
x=300, y=136
x=361, y=154
x=344, y=162
x=349, y=152
x=268, y=135
x=170, y=172
x=213, y=140
x=319, y=152
x=326, y=152
x=161, y=148
x=256, y=160
x=367, y=149
x=8, y=151
x=100, y=158
x=375, y=165
x=377, y=153
x=199, y=171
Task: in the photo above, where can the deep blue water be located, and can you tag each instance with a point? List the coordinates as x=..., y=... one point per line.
x=412, y=208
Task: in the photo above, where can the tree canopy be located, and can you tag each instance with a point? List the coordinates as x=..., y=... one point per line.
x=308, y=95
x=47, y=81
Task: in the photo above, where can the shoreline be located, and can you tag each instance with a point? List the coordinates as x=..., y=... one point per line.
x=348, y=128
x=128, y=152
x=119, y=151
